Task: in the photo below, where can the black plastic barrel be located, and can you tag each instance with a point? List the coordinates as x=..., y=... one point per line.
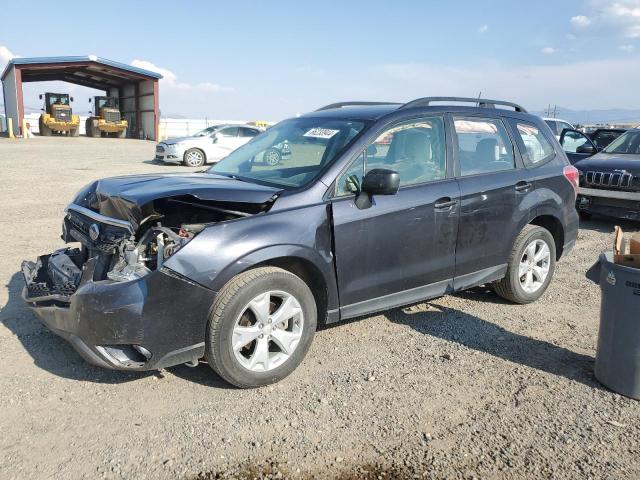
x=618, y=355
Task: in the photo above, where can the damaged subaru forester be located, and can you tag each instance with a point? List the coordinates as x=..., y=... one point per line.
x=379, y=205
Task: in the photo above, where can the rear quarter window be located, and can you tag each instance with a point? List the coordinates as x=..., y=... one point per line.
x=538, y=150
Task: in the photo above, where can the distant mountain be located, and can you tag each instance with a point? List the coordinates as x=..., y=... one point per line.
x=613, y=116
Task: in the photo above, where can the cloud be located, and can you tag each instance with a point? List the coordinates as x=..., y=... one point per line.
x=5, y=55
x=483, y=28
x=627, y=48
x=548, y=50
x=580, y=21
x=576, y=85
x=620, y=18
x=170, y=79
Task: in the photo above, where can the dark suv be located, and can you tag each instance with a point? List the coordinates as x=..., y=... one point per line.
x=378, y=205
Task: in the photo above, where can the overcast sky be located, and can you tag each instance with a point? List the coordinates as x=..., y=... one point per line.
x=270, y=60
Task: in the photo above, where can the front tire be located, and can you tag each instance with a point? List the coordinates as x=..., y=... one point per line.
x=531, y=266
x=122, y=133
x=44, y=130
x=194, y=157
x=260, y=327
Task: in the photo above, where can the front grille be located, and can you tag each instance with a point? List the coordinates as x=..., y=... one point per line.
x=112, y=116
x=108, y=240
x=609, y=179
x=159, y=149
x=62, y=115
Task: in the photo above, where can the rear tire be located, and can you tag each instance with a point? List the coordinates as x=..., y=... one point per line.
x=272, y=157
x=91, y=129
x=531, y=266
x=249, y=346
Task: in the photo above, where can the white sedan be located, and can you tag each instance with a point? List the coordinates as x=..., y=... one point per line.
x=209, y=145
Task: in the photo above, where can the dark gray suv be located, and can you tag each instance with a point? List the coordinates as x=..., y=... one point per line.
x=378, y=205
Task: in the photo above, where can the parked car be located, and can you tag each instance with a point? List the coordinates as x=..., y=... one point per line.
x=209, y=145
x=602, y=137
x=557, y=125
x=240, y=263
x=609, y=180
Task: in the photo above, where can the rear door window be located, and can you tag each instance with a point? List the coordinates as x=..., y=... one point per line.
x=229, y=132
x=248, y=132
x=538, y=148
x=483, y=145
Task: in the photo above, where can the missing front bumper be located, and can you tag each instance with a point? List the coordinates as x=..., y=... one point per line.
x=144, y=324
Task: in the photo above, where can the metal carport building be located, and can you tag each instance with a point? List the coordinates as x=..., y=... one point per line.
x=137, y=88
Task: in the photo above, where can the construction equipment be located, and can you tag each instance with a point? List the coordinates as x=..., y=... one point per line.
x=57, y=116
x=107, y=119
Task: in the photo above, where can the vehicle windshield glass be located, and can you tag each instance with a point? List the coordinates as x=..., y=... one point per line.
x=291, y=153
x=628, y=143
x=109, y=102
x=206, y=131
x=59, y=100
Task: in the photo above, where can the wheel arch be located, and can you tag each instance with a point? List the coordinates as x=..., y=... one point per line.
x=299, y=260
x=554, y=225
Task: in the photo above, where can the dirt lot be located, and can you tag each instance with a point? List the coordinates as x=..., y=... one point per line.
x=465, y=386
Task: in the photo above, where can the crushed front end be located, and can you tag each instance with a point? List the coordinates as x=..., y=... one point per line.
x=110, y=294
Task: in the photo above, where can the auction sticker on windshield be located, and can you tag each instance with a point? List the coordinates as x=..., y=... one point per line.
x=321, y=133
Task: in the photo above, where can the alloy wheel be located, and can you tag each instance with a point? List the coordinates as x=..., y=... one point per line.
x=268, y=331
x=534, y=266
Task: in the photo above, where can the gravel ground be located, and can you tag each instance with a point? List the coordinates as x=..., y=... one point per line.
x=465, y=386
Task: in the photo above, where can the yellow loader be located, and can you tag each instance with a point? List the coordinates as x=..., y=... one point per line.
x=107, y=119
x=57, y=116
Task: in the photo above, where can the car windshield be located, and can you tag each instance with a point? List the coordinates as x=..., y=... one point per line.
x=206, y=131
x=291, y=153
x=627, y=143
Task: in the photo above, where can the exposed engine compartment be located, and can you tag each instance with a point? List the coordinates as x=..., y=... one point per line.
x=168, y=225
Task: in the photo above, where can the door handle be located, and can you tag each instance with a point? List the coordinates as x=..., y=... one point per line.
x=523, y=186
x=444, y=203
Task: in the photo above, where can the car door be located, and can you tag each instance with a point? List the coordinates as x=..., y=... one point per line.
x=223, y=142
x=402, y=248
x=576, y=145
x=492, y=184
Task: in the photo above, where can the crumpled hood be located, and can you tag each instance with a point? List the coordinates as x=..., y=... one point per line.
x=130, y=197
x=173, y=141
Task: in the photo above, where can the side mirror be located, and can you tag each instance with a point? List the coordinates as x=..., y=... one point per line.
x=89, y=100
x=40, y=96
x=214, y=138
x=381, y=181
x=586, y=148
x=71, y=99
x=378, y=181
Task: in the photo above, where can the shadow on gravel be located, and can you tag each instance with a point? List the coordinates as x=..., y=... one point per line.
x=484, y=336
x=607, y=224
x=56, y=356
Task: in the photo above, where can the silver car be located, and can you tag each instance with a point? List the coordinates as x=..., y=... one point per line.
x=209, y=145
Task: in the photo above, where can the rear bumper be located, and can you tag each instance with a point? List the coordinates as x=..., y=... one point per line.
x=153, y=322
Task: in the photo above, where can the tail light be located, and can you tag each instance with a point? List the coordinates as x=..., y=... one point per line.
x=572, y=174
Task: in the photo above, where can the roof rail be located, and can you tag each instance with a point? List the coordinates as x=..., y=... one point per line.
x=353, y=104
x=481, y=102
